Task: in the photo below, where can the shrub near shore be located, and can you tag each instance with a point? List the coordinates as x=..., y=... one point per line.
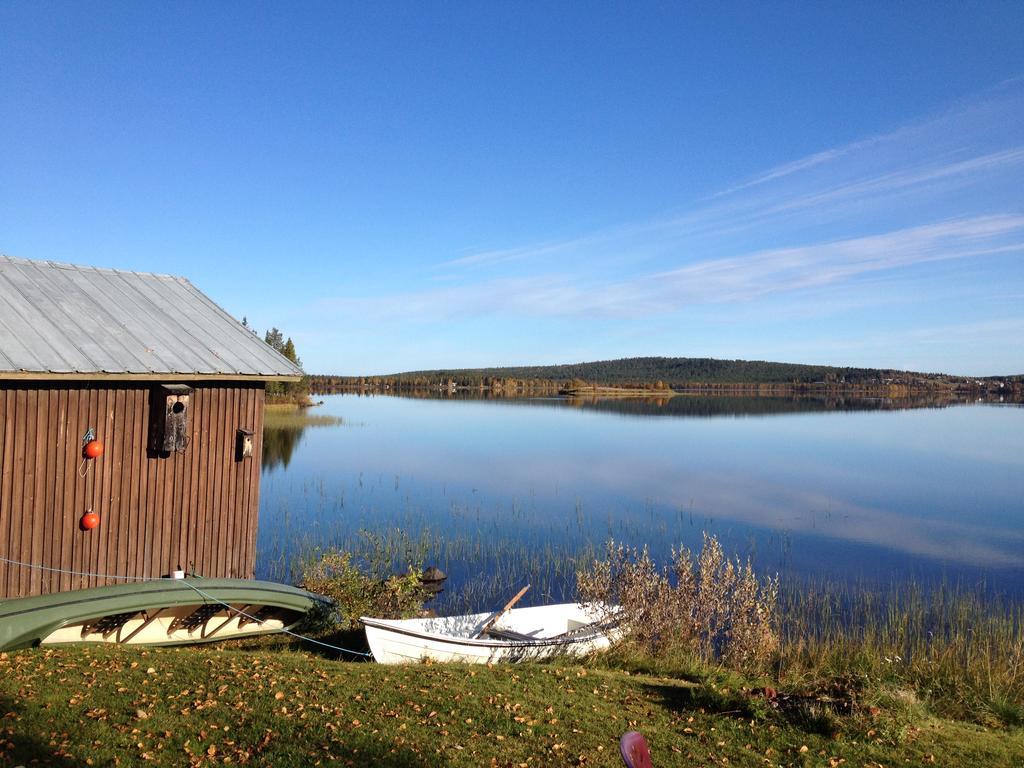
x=355, y=593
x=712, y=607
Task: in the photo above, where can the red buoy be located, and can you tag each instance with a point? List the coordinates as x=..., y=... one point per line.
x=90, y=520
x=93, y=449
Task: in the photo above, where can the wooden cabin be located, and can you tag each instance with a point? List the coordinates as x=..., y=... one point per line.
x=172, y=387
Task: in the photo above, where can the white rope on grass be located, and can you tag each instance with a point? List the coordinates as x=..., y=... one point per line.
x=205, y=595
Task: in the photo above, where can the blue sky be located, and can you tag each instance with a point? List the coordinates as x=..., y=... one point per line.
x=418, y=185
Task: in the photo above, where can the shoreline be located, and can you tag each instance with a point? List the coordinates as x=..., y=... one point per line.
x=892, y=392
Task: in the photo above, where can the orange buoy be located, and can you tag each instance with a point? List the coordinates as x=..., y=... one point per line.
x=93, y=449
x=90, y=520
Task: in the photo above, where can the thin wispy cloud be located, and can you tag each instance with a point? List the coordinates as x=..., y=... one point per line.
x=531, y=251
x=976, y=143
x=659, y=234
x=788, y=269
x=963, y=172
x=803, y=164
x=920, y=132
x=739, y=278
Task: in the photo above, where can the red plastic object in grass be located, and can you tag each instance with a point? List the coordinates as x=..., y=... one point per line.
x=634, y=750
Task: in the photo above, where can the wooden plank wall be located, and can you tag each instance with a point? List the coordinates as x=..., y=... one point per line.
x=197, y=509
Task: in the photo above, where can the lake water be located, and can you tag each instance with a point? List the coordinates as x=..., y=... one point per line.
x=507, y=491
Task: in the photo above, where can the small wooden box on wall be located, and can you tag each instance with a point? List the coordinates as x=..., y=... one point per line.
x=243, y=444
x=170, y=413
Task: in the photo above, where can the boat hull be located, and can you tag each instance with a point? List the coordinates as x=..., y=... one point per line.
x=158, y=612
x=542, y=632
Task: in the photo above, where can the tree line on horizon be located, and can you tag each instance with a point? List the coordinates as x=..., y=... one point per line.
x=654, y=373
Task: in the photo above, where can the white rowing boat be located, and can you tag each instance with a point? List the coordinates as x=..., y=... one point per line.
x=521, y=634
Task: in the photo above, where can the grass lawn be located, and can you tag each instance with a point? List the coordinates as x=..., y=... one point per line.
x=283, y=707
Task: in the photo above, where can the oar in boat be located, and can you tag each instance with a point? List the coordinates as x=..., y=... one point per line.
x=493, y=620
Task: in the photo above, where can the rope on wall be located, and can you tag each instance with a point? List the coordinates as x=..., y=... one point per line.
x=76, y=573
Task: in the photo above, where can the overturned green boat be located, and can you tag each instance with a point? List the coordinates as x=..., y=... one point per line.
x=158, y=612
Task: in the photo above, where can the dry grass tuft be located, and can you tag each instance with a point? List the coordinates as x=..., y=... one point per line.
x=711, y=606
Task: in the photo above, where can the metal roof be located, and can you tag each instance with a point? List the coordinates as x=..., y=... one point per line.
x=63, y=319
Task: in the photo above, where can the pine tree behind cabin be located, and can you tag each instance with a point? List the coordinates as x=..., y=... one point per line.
x=286, y=392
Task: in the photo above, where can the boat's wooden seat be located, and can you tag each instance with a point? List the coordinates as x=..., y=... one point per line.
x=107, y=625
x=194, y=620
x=508, y=634
x=265, y=613
x=582, y=629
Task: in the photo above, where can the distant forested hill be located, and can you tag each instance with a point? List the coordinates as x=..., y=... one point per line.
x=671, y=370
x=653, y=372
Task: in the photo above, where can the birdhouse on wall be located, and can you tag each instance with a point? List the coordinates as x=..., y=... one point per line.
x=171, y=412
x=243, y=444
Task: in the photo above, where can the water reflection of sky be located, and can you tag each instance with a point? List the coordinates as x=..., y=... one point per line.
x=853, y=494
